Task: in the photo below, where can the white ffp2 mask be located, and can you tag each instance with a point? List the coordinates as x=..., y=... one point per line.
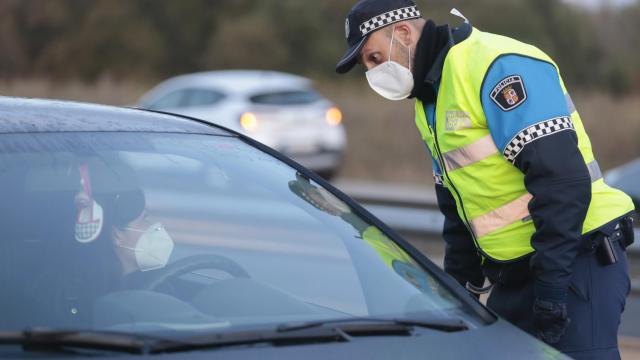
x=390, y=79
x=153, y=249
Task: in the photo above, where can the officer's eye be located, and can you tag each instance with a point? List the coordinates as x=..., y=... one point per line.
x=375, y=58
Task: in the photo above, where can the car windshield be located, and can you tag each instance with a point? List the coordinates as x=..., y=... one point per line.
x=184, y=233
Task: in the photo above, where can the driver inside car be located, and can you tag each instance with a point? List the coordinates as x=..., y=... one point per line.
x=140, y=249
x=140, y=244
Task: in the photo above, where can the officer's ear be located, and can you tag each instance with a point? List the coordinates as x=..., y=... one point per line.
x=403, y=32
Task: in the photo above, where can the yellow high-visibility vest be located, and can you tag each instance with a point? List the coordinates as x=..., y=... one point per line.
x=489, y=191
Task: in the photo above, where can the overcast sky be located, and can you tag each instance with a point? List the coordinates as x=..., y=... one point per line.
x=598, y=3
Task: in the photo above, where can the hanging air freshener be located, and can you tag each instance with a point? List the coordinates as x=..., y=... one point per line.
x=90, y=214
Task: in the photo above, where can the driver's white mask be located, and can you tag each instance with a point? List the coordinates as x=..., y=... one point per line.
x=390, y=79
x=153, y=249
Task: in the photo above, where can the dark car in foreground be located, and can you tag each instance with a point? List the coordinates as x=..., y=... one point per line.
x=128, y=233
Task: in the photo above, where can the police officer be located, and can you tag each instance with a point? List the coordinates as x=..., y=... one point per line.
x=524, y=200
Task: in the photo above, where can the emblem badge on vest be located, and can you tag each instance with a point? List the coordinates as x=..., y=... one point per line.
x=509, y=93
x=511, y=96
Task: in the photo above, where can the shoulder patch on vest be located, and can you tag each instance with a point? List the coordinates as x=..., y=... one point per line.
x=509, y=93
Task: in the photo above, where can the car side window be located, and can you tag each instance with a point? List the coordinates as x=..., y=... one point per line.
x=175, y=99
x=202, y=97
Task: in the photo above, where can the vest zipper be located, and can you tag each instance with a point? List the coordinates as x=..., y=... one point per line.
x=443, y=167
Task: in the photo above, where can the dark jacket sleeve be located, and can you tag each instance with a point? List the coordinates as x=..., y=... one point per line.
x=558, y=178
x=461, y=259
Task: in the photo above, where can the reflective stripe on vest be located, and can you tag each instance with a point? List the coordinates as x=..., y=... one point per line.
x=570, y=105
x=470, y=154
x=594, y=171
x=517, y=210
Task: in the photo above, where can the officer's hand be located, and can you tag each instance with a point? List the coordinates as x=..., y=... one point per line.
x=551, y=321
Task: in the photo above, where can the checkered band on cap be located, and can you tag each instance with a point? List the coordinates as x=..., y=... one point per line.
x=390, y=17
x=535, y=132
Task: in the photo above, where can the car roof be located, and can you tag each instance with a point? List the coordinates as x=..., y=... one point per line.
x=20, y=115
x=240, y=81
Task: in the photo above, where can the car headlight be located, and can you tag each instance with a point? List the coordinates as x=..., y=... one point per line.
x=334, y=116
x=249, y=121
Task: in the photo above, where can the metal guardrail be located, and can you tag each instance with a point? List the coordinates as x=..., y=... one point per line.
x=390, y=194
x=409, y=207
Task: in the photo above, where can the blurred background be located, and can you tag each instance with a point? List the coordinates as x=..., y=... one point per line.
x=116, y=51
x=113, y=51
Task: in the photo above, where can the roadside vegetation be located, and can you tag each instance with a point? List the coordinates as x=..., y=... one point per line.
x=153, y=39
x=111, y=51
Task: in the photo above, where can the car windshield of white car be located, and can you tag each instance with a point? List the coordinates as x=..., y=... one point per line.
x=182, y=233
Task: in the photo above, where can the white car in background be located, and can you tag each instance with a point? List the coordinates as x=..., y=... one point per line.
x=280, y=110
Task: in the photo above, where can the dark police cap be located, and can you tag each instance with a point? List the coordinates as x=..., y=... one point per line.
x=368, y=16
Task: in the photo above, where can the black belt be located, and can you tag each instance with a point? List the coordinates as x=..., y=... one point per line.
x=604, y=241
x=620, y=231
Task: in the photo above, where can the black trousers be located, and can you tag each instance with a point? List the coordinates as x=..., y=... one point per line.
x=595, y=304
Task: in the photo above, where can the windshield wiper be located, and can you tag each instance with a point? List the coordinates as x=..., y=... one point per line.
x=46, y=340
x=219, y=340
x=342, y=330
x=445, y=324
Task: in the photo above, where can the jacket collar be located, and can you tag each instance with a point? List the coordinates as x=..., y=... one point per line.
x=431, y=52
